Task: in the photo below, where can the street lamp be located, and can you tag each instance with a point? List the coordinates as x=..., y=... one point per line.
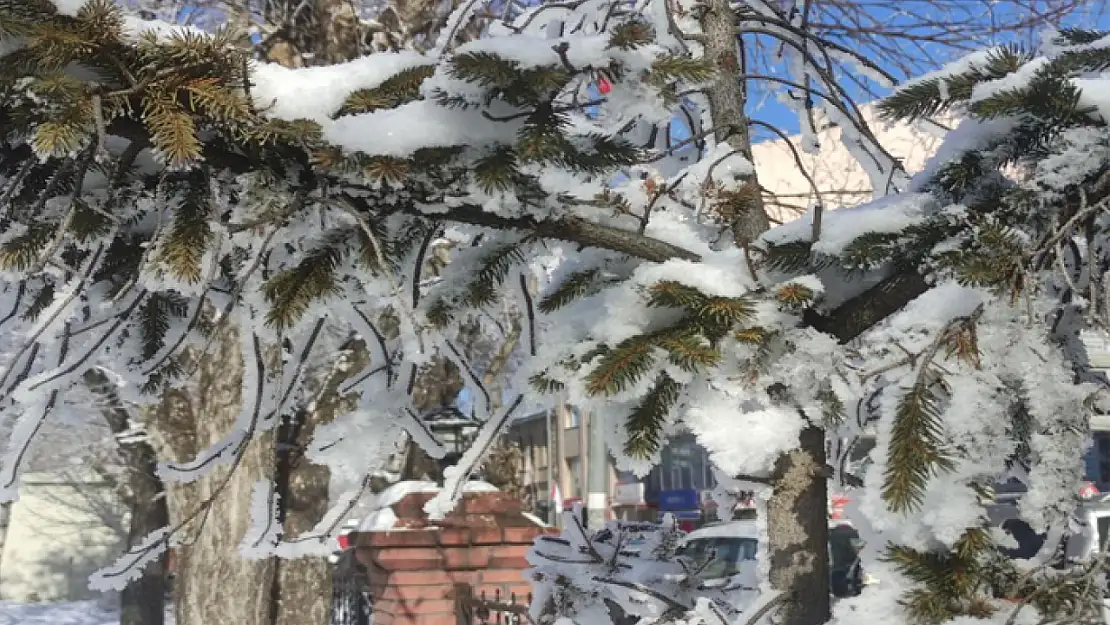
x=455, y=430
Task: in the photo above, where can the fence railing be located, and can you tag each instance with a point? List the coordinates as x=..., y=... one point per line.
x=350, y=603
x=491, y=609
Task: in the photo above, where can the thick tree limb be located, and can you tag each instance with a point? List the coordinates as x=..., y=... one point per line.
x=855, y=316
x=570, y=229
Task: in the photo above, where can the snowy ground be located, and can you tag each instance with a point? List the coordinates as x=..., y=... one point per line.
x=68, y=613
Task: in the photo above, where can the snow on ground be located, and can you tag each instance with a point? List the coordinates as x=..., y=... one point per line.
x=63, y=613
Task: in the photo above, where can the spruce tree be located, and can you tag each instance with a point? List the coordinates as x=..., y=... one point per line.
x=156, y=193
x=1014, y=212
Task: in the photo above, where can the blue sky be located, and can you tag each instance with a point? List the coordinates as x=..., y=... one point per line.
x=769, y=110
x=764, y=105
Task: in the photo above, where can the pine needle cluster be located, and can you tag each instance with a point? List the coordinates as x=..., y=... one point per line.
x=107, y=124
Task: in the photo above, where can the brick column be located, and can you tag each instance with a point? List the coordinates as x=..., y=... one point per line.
x=415, y=568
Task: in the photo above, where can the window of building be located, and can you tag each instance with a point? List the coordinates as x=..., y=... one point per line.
x=574, y=419
x=1101, y=450
x=574, y=467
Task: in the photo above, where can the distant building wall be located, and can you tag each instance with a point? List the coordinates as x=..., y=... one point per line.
x=63, y=528
x=836, y=174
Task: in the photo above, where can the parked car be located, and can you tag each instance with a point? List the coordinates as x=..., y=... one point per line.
x=729, y=545
x=1085, y=538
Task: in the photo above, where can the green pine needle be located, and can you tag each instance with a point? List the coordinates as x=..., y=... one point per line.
x=725, y=312
x=689, y=352
x=401, y=88
x=673, y=294
x=574, y=286
x=440, y=313
x=621, y=367
x=494, y=269
x=916, y=447
x=155, y=316
x=42, y=300
x=791, y=257
x=21, y=252
x=190, y=235
x=485, y=69
x=544, y=384
x=671, y=67
x=646, y=424
x=497, y=173
x=928, y=98
x=631, y=35
x=291, y=292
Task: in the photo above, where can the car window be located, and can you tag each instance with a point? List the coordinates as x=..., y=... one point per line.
x=842, y=553
x=1103, y=531
x=1029, y=542
x=723, y=554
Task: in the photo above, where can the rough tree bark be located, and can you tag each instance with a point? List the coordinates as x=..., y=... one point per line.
x=214, y=583
x=302, y=588
x=797, y=513
x=798, y=531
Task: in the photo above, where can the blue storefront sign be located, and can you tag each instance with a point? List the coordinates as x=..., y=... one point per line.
x=675, y=500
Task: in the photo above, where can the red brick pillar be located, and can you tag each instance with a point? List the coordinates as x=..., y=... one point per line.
x=415, y=568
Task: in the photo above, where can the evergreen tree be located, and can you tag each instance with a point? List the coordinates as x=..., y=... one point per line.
x=1011, y=218
x=163, y=194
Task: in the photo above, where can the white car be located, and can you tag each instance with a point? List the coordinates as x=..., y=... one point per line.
x=731, y=549
x=725, y=546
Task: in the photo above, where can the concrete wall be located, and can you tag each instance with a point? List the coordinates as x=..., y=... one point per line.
x=64, y=527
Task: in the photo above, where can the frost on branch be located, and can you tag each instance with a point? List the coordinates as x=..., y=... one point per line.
x=130, y=565
x=184, y=198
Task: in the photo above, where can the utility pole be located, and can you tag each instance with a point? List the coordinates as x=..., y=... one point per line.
x=552, y=447
x=560, y=456
x=597, y=501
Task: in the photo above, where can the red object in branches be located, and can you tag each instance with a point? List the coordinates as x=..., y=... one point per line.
x=603, y=85
x=344, y=541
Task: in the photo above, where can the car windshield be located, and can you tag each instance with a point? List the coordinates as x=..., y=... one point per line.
x=1029, y=542
x=720, y=555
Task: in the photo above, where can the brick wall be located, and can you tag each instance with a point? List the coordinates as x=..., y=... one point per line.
x=415, y=569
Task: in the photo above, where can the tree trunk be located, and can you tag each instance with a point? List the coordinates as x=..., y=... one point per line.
x=142, y=602
x=559, y=457
x=5, y=523
x=302, y=588
x=726, y=106
x=797, y=515
x=798, y=531
x=215, y=584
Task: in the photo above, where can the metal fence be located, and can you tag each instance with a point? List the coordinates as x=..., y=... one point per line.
x=350, y=604
x=491, y=609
